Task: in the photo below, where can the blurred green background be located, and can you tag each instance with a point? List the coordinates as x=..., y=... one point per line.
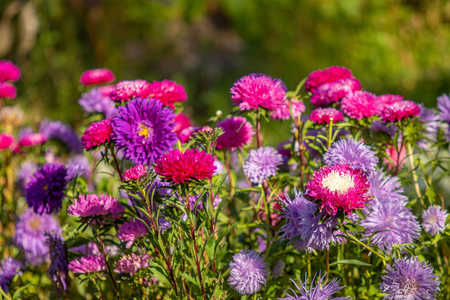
x=392, y=46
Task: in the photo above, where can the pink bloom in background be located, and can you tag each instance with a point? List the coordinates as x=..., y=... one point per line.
x=8, y=71
x=179, y=167
x=88, y=264
x=5, y=141
x=97, y=76
x=334, y=91
x=258, y=90
x=97, y=134
x=397, y=160
x=399, y=111
x=186, y=134
x=323, y=115
x=7, y=90
x=182, y=122
x=331, y=74
x=360, y=104
x=135, y=173
x=168, y=92
x=132, y=263
x=131, y=231
x=105, y=90
x=238, y=133
x=92, y=205
x=284, y=112
x=129, y=89
x=32, y=140
x=388, y=99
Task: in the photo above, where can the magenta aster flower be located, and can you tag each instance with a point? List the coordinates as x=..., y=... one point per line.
x=7, y=90
x=8, y=269
x=6, y=141
x=8, y=71
x=284, y=111
x=258, y=90
x=331, y=74
x=182, y=122
x=338, y=187
x=95, y=101
x=179, y=167
x=97, y=134
x=135, y=172
x=388, y=99
x=248, y=272
x=131, y=231
x=33, y=139
x=433, y=220
x=262, y=163
x=92, y=205
x=334, y=91
x=360, y=104
x=238, y=132
x=130, y=89
x=132, y=263
x=324, y=115
x=144, y=130
x=399, y=111
x=88, y=264
x=168, y=92
x=96, y=77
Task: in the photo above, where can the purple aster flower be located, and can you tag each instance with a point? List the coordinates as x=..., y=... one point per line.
x=26, y=170
x=9, y=268
x=409, y=279
x=248, y=272
x=143, y=130
x=131, y=231
x=386, y=188
x=433, y=220
x=443, y=105
x=95, y=101
x=45, y=191
x=351, y=152
x=62, y=132
x=430, y=125
x=58, y=272
x=88, y=264
x=132, y=263
x=30, y=236
x=262, y=163
x=77, y=166
x=322, y=291
x=93, y=205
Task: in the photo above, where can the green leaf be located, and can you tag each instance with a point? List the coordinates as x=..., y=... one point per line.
x=351, y=262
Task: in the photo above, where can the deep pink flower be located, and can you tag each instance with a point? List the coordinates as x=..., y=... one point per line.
x=106, y=90
x=5, y=141
x=97, y=134
x=7, y=90
x=334, y=91
x=168, y=92
x=182, y=122
x=92, y=205
x=8, y=71
x=97, y=76
x=258, y=90
x=399, y=111
x=283, y=112
x=135, y=173
x=88, y=264
x=129, y=89
x=388, y=99
x=131, y=231
x=238, y=133
x=186, y=134
x=330, y=74
x=339, y=187
x=323, y=115
x=360, y=104
x=179, y=167
x=132, y=263
x=32, y=140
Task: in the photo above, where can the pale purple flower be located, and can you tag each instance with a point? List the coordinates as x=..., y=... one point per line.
x=131, y=231
x=219, y=167
x=62, y=132
x=95, y=101
x=386, y=188
x=9, y=268
x=443, y=105
x=430, y=125
x=383, y=127
x=26, y=170
x=248, y=272
x=91, y=248
x=92, y=205
x=262, y=163
x=77, y=166
x=88, y=264
x=433, y=220
x=132, y=263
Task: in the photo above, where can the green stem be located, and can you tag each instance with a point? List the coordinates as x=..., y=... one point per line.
x=366, y=246
x=414, y=174
x=330, y=132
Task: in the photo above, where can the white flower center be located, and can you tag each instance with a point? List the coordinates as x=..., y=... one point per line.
x=336, y=182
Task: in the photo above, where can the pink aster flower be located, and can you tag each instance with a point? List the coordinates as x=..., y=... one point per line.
x=88, y=264
x=5, y=141
x=360, y=104
x=129, y=89
x=135, y=173
x=258, y=90
x=33, y=139
x=399, y=111
x=238, y=132
x=97, y=76
x=182, y=122
x=388, y=99
x=283, y=112
x=97, y=134
x=331, y=74
x=8, y=71
x=334, y=91
x=324, y=115
x=7, y=90
x=338, y=187
x=168, y=92
x=397, y=159
x=131, y=231
x=92, y=205
x=132, y=263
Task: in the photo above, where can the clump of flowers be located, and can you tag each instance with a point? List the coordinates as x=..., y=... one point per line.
x=360, y=104
x=291, y=108
x=88, y=264
x=238, y=132
x=248, y=272
x=135, y=172
x=8, y=269
x=97, y=134
x=97, y=76
x=433, y=220
x=399, y=111
x=262, y=164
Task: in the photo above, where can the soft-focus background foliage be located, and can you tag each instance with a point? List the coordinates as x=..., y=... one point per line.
x=392, y=46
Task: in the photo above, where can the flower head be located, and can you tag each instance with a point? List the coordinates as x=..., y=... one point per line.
x=262, y=163
x=132, y=263
x=131, y=231
x=388, y=99
x=58, y=272
x=135, y=172
x=182, y=122
x=258, y=90
x=238, y=132
x=144, y=130
x=331, y=74
x=284, y=111
x=97, y=134
x=95, y=101
x=6, y=141
x=77, y=166
x=400, y=110
x=430, y=125
x=7, y=90
x=334, y=91
x=26, y=170
x=88, y=264
x=386, y=188
x=8, y=71
x=360, y=104
x=92, y=205
x=324, y=115
x=248, y=272
x=97, y=76
x=33, y=139
x=130, y=89
x=443, y=105
x=167, y=92
x=433, y=220
x=62, y=132
x=9, y=268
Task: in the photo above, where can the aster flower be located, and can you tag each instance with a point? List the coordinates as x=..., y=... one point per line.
x=91, y=248
x=132, y=263
x=338, y=187
x=433, y=220
x=284, y=111
x=397, y=159
x=62, y=132
x=7, y=90
x=443, y=106
x=322, y=291
x=258, y=90
x=386, y=188
x=8, y=71
x=58, y=271
x=77, y=166
x=262, y=163
x=399, y=111
x=32, y=140
x=45, y=191
x=144, y=130
x=430, y=125
x=168, y=92
x=5, y=141
x=388, y=99
x=182, y=122
x=88, y=264
x=95, y=101
x=29, y=235
x=360, y=104
x=135, y=172
x=334, y=91
x=97, y=134
x=179, y=167
x=9, y=268
x=131, y=231
x=238, y=132
x=186, y=134
x=356, y=154
x=324, y=115
x=409, y=279
x=97, y=76
x=92, y=205
x=331, y=74
x=219, y=167
x=248, y=272
x=130, y=89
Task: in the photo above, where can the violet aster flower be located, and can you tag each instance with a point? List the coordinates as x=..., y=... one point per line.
x=334, y=91
x=433, y=220
x=324, y=115
x=430, y=125
x=92, y=205
x=238, y=132
x=248, y=272
x=135, y=172
x=95, y=101
x=331, y=74
x=8, y=71
x=9, y=268
x=88, y=264
x=7, y=90
x=132, y=263
x=409, y=279
x=262, y=163
x=58, y=271
x=443, y=106
x=323, y=290
x=97, y=76
x=360, y=104
x=167, y=92
x=97, y=134
x=144, y=130
x=45, y=190
x=30, y=237
x=291, y=108
x=77, y=166
x=131, y=231
x=399, y=111
x=356, y=154
x=386, y=188
x=59, y=131
x=258, y=90
x=91, y=248
x=130, y=89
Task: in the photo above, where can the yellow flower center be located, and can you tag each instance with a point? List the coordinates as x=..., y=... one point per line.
x=35, y=223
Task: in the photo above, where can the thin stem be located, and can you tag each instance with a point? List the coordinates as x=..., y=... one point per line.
x=327, y=262
x=211, y=203
x=414, y=174
x=330, y=133
x=258, y=130
x=116, y=164
x=366, y=246
x=98, y=288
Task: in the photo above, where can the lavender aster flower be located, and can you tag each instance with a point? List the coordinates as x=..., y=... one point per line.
x=143, y=130
x=248, y=272
x=409, y=279
x=354, y=153
x=96, y=101
x=9, y=268
x=77, y=166
x=58, y=272
x=433, y=220
x=430, y=125
x=443, y=105
x=62, y=132
x=386, y=188
x=45, y=191
x=262, y=163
